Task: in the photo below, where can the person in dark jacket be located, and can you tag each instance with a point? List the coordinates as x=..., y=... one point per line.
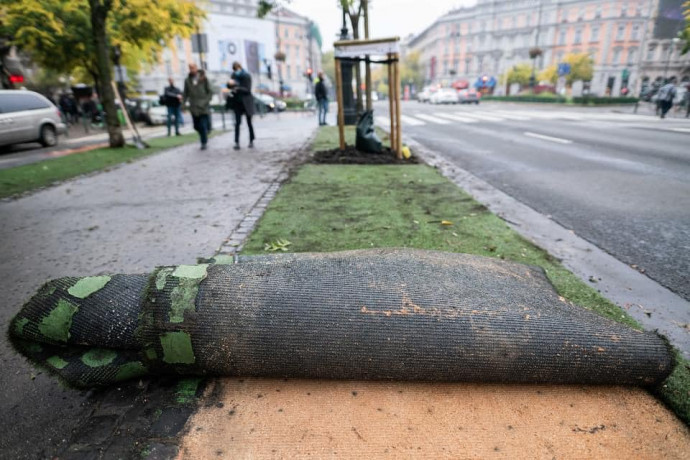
x=321, y=94
x=197, y=91
x=172, y=97
x=242, y=101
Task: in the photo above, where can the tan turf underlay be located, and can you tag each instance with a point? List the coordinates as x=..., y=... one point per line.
x=263, y=418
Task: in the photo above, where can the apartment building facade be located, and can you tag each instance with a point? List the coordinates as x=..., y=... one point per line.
x=233, y=32
x=494, y=35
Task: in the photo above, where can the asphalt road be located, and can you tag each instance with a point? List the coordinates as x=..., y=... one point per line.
x=620, y=181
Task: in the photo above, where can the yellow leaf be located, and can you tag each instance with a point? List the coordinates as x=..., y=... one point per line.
x=446, y=222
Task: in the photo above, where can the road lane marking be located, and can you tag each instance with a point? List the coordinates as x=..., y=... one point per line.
x=681, y=130
x=510, y=115
x=411, y=121
x=429, y=118
x=547, y=138
x=385, y=121
x=454, y=117
x=481, y=116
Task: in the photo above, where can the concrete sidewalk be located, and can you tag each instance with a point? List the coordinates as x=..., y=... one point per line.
x=170, y=208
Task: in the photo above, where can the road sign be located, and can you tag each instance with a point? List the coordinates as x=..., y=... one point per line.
x=563, y=69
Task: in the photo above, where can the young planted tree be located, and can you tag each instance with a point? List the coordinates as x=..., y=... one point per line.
x=581, y=69
x=519, y=74
x=77, y=36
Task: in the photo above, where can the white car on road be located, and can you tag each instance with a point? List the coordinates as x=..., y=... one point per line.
x=445, y=96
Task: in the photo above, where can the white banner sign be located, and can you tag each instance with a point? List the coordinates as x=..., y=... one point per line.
x=366, y=49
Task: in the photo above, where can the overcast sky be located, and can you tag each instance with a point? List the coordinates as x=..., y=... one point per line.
x=387, y=18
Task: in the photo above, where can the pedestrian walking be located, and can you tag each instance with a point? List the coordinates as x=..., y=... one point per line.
x=69, y=108
x=197, y=93
x=241, y=101
x=321, y=94
x=686, y=101
x=172, y=99
x=665, y=99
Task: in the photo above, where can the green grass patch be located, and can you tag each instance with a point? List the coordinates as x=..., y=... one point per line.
x=342, y=207
x=328, y=208
x=22, y=179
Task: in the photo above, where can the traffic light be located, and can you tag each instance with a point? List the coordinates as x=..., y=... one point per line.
x=310, y=74
x=269, y=73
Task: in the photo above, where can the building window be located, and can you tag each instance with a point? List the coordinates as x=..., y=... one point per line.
x=620, y=34
x=632, y=54
x=616, y=56
x=595, y=34
x=624, y=9
x=597, y=12
x=650, y=53
x=635, y=32
x=578, y=36
x=286, y=34
x=561, y=37
x=289, y=71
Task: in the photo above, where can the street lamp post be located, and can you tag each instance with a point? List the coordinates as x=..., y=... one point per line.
x=672, y=46
x=535, y=52
x=349, y=110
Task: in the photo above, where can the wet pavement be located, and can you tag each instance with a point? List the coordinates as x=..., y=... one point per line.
x=171, y=208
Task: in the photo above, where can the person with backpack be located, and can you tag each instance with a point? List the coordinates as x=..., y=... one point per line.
x=197, y=92
x=172, y=99
x=666, y=95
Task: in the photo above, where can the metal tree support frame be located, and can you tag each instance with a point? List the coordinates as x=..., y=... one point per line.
x=357, y=51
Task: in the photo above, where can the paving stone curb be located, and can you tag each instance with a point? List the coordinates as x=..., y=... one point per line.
x=234, y=243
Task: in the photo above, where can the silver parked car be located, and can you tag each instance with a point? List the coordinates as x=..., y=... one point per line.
x=26, y=116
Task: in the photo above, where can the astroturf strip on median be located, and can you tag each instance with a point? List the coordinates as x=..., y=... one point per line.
x=21, y=179
x=327, y=208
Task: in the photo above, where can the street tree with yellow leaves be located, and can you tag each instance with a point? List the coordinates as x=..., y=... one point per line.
x=68, y=36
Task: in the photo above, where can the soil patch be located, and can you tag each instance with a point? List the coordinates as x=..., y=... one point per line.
x=263, y=418
x=352, y=156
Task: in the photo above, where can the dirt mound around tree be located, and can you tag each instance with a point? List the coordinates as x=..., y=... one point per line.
x=352, y=156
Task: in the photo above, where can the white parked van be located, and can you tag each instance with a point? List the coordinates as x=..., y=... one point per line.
x=26, y=116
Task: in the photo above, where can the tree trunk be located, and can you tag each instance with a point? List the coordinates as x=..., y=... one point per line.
x=99, y=15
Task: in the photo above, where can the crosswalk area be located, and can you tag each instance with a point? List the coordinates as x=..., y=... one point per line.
x=483, y=115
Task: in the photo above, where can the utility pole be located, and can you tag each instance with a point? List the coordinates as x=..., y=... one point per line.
x=534, y=53
x=641, y=54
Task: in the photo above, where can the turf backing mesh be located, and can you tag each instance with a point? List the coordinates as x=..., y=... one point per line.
x=375, y=314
